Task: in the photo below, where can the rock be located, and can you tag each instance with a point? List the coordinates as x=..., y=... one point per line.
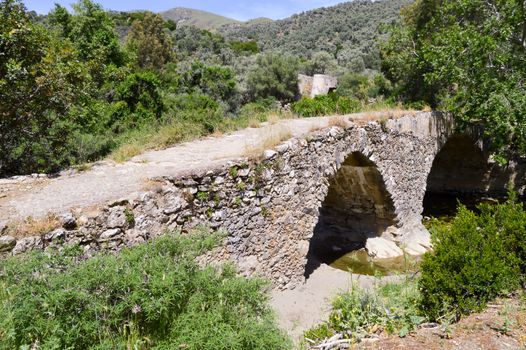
x=269, y=154
x=3, y=226
x=119, y=203
x=109, y=234
x=416, y=240
x=176, y=204
x=247, y=265
x=415, y=248
x=25, y=244
x=219, y=180
x=7, y=243
x=381, y=248
x=243, y=172
x=83, y=220
x=56, y=235
x=68, y=221
x=116, y=219
x=133, y=237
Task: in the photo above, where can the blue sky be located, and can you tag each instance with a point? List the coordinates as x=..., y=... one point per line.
x=238, y=9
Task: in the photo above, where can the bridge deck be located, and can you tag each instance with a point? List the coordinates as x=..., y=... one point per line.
x=21, y=197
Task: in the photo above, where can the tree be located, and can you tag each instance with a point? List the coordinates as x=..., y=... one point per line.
x=150, y=43
x=40, y=79
x=276, y=75
x=93, y=34
x=466, y=57
x=320, y=63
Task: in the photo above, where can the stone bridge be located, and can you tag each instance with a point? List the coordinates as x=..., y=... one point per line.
x=336, y=189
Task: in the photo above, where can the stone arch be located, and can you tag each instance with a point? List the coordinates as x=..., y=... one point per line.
x=459, y=170
x=357, y=206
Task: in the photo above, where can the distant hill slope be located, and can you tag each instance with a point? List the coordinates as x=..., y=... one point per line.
x=198, y=18
x=349, y=28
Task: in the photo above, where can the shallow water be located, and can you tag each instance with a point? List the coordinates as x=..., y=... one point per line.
x=359, y=262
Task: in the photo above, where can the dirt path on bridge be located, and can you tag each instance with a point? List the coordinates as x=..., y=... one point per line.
x=106, y=181
x=21, y=197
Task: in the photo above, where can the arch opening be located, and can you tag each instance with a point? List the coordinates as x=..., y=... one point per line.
x=459, y=173
x=357, y=207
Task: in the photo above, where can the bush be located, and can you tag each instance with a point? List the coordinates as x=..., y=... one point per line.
x=363, y=87
x=152, y=296
x=476, y=258
x=391, y=307
x=138, y=103
x=216, y=82
x=196, y=108
x=326, y=105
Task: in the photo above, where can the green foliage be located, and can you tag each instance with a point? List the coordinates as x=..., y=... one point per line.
x=466, y=57
x=40, y=78
x=476, y=258
x=326, y=105
x=93, y=34
x=215, y=81
x=191, y=42
x=197, y=109
x=152, y=296
x=139, y=101
x=250, y=47
x=320, y=63
x=391, y=307
x=363, y=87
x=150, y=43
x=275, y=75
x=347, y=31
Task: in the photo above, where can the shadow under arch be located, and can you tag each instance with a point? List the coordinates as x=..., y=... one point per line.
x=357, y=207
x=459, y=173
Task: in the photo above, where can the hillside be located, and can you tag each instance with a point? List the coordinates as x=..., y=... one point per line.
x=197, y=18
x=347, y=30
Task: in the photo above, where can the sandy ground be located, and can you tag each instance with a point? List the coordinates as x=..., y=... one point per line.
x=502, y=326
x=310, y=303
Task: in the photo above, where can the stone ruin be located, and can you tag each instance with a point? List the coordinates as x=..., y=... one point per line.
x=319, y=84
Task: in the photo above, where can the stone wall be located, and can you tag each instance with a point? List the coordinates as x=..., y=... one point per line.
x=271, y=206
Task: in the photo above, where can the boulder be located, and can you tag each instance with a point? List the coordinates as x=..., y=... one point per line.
x=68, y=221
x=381, y=248
x=7, y=243
x=110, y=235
x=26, y=244
x=417, y=240
x=116, y=218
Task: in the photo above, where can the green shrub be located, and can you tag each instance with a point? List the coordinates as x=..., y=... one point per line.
x=274, y=75
x=153, y=296
x=510, y=219
x=245, y=47
x=196, y=108
x=391, y=307
x=326, y=105
x=476, y=258
x=139, y=102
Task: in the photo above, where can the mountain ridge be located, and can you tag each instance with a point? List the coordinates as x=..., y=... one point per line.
x=206, y=20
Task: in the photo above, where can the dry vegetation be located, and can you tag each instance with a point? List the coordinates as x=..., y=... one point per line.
x=270, y=136
x=340, y=121
x=33, y=227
